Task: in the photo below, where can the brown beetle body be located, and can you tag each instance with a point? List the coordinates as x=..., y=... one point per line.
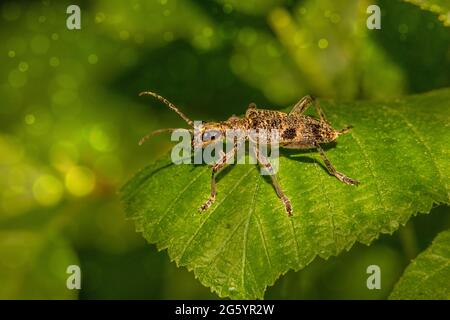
x=296, y=131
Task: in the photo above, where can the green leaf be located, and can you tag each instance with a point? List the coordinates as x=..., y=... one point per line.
x=245, y=241
x=428, y=276
x=439, y=7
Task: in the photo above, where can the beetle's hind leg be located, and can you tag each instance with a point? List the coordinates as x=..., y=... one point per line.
x=304, y=103
x=332, y=170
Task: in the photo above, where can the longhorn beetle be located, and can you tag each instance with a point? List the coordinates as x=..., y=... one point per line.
x=297, y=131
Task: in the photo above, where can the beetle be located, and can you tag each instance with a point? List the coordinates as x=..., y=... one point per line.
x=296, y=131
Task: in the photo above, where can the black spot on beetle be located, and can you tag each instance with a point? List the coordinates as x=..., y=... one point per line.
x=315, y=129
x=289, y=133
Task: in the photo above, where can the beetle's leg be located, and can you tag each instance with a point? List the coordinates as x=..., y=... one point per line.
x=220, y=164
x=320, y=111
x=301, y=106
x=304, y=103
x=251, y=107
x=266, y=164
x=332, y=170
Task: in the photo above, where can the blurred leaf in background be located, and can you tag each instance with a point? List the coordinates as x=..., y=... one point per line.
x=31, y=265
x=426, y=276
x=439, y=7
x=70, y=117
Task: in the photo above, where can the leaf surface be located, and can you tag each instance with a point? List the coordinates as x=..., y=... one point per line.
x=398, y=150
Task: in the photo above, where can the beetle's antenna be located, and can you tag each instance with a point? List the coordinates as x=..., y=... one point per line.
x=169, y=104
x=345, y=130
x=150, y=134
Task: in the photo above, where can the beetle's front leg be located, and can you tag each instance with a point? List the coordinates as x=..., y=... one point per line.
x=221, y=163
x=266, y=164
x=332, y=170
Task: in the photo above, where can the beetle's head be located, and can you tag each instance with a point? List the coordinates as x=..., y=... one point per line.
x=208, y=133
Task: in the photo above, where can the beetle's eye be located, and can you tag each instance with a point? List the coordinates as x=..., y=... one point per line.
x=211, y=135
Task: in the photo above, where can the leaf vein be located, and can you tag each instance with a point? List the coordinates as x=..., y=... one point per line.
x=210, y=214
x=179, y=195
x=416, y=133
x=245, y=238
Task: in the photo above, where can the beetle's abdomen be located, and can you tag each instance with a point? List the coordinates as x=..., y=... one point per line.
x=305, y=132
x=315, y=131
x=302, y=131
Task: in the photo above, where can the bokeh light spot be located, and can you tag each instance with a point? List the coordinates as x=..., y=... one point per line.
x=100, y=17
x=47, y=190
x=403, y=28
x=323, y=43
x=17, y=44
x=80, y=181
x=30, y=119
x=54, y=61
x=92, y=59
x=99, y=140
x=335, y=18
x=23, y=66
x=11, y=53
x=42, y=121
x=227, y=8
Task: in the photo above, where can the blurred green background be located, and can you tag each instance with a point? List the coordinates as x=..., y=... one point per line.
x=70, y=119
